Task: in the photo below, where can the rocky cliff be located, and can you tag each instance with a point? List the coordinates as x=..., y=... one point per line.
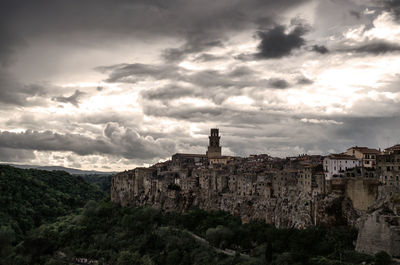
x=379, y=228
x=291, y=208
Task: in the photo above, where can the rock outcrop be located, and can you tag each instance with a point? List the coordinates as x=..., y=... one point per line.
x=379, y=229
x=291, y=208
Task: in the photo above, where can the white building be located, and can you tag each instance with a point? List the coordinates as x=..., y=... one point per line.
x=335, y=165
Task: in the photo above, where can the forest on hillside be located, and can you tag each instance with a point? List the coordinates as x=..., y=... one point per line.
x=56, y=218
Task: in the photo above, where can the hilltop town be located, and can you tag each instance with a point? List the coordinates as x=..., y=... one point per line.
x=359, y=187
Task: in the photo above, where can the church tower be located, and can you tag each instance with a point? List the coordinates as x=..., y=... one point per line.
x=214, y=150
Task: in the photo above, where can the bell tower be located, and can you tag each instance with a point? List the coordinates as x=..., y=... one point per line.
x=214, y=150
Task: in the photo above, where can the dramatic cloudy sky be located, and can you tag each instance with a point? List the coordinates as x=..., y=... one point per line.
x=110, y=85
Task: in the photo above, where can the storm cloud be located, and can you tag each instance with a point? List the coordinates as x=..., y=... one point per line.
x=375, y=47
x=73, y=99
x=276, y=43
x=117, y=141
x=320, y=49
x=119, y=84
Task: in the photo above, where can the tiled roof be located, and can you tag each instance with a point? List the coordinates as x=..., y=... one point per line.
x=366, y=150
x=342, y=156
x=189, y=155
x=393, y=148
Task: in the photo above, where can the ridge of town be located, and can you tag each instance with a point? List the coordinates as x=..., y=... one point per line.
x=349, y=188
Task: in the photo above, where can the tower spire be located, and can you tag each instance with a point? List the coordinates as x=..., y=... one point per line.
x=214, y=149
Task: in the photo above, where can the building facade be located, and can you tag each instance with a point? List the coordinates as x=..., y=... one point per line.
x=335, y=165
x=366, y=155
x=388, y=165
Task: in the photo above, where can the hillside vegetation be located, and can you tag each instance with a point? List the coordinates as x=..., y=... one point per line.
x=105, y=233
x=31, y=197
x=102, y=181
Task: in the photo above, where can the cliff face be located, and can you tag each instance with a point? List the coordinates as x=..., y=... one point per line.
x=379, y=229
x=290, y=208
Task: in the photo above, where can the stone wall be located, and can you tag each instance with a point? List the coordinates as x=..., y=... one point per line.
x=379, y=232
x=362, y=192
x=379, y=229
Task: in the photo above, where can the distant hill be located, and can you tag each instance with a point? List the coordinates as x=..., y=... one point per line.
x=72, y=171
x=31, y=197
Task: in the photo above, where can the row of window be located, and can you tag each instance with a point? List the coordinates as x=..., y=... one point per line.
x=391, y=177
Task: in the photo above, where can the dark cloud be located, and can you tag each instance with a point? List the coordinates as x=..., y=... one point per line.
x=207, y=57
x=355, y=14
x=185, y=112
x=181, y=30
x=214, y=85
x=320, y=49
x=276, y=43
x=246, y=132
x=132, y=73
x=200, y=25
x=278, y=83
x=238, y=77
x=117, y=141
x=374, y=47
x=15, y=155
x=14, y=93
x=73, y=99
x=167, y=92
x=368, y=131
x=242, y=71
x=191, y=46
x=394, y=7
x=8, y=45
x=50, y=141
x=304, y=81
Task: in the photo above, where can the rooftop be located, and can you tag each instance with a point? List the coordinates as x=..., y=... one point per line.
x=342, y=156
x=189, y=155
x=365, y=150
x=393, y=148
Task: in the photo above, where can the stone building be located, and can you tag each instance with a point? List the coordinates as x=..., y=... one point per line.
x=182, y=161
x=304, y=181
x=388, y=165
x=311, y=179
x=214, y=149
x=318, y=183
x=366, y=155
x=283, y=180
x=335, y=165
x=361, y=172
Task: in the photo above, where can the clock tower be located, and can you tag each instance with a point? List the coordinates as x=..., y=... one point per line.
x=214, y=150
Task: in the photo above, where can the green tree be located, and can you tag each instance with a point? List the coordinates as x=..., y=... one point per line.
x=382, y=258
x=219, y=236
x=129, y=258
